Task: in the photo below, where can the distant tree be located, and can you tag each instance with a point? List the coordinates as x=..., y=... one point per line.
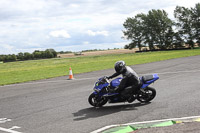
x=196, y=22
x=2, y=57
x=28, y=56
x=53, y=52
x=10, y=58
x=68, y=51
x=13, y=57
x=178, y=42
x=155, y=28
x=43, y=55
x=61, y=52
x=149, y=34
x=185, y=23
x=37, y=54
x=160, y=27
x=134, y=31
x=20, y=56
x=48, y=54
x=7, y=58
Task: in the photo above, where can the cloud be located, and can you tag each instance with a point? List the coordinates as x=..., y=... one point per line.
x=59, y=33
x=7, y=46
x=74, y=5
x=7, y=49
x=96, y=33
x=86, y=43
x=40, y=24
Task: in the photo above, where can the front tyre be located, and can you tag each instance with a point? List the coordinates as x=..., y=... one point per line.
x=97, y=101
x=146, y=95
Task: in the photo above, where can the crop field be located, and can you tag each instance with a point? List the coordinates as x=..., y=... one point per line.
x=23, y=71
x=104, y=52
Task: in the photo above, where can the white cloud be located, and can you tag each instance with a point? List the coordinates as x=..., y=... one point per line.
x=86, y=42
x=59, y=33
x=7, y=49
x=74, y=5
x=34, y=24
x=96, y=33
x=186, y=3
x=32, y=44
x=7, y=46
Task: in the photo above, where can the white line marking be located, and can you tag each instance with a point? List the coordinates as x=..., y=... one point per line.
x=57, y=81
x=14, y=127
x=8, y=130
x=192, y=71
x=103, y=128
x=182, y=118
x=4, y=120
x=144, y=122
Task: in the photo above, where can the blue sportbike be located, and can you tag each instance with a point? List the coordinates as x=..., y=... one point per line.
x=101, y=94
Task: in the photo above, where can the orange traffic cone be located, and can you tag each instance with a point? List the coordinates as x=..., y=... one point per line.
x=70, y=74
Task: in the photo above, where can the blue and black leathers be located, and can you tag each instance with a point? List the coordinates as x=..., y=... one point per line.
x=129, y=83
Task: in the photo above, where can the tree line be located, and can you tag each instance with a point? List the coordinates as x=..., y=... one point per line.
x=48, y=53
x=156, y=30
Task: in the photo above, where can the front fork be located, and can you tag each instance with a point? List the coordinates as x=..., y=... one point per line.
x=98, y=96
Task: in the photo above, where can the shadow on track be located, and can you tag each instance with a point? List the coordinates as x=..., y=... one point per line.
x=93, y=112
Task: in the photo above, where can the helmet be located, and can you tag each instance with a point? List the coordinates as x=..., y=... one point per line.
x=120, y=66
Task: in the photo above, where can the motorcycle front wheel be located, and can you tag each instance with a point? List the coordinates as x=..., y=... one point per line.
x=97, y=101
x=146, y=95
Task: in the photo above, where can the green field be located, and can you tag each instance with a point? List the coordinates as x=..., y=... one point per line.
x=22, y=71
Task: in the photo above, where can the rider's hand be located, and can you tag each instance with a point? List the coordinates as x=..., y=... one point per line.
x=108, y=77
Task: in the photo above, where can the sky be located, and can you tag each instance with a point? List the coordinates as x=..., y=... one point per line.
x=71, y=25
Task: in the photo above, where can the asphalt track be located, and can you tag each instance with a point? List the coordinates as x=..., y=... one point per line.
x=59, y=105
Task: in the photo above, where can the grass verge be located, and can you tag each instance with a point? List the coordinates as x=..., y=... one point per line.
x=22, y=71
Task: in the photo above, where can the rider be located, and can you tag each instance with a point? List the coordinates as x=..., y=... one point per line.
x=129, y=83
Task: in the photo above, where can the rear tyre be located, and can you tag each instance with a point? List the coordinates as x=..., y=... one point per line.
x=146, y=95
x=97, y=101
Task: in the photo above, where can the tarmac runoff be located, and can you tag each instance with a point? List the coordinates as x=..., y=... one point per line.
x=173, y=125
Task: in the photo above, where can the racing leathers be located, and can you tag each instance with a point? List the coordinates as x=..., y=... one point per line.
x=129, y=84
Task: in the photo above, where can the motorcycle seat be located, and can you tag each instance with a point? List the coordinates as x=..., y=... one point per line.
x=147, y=78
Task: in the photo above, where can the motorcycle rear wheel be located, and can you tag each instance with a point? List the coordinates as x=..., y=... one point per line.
x=95, y=101
x=146, y=95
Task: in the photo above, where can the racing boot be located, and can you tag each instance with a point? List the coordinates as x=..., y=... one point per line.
x=131, y=99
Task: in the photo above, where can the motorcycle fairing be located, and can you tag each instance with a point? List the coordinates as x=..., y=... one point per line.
x=100, y=84
x=114, y=83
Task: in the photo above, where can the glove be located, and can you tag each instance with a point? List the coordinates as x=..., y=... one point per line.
x=108, y=77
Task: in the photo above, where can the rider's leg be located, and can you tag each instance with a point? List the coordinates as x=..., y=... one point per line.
x=126, y=93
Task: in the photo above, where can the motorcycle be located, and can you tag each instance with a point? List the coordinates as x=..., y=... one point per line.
x=101, y=94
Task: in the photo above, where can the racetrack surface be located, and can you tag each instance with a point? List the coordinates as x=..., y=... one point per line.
x=60, y=105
